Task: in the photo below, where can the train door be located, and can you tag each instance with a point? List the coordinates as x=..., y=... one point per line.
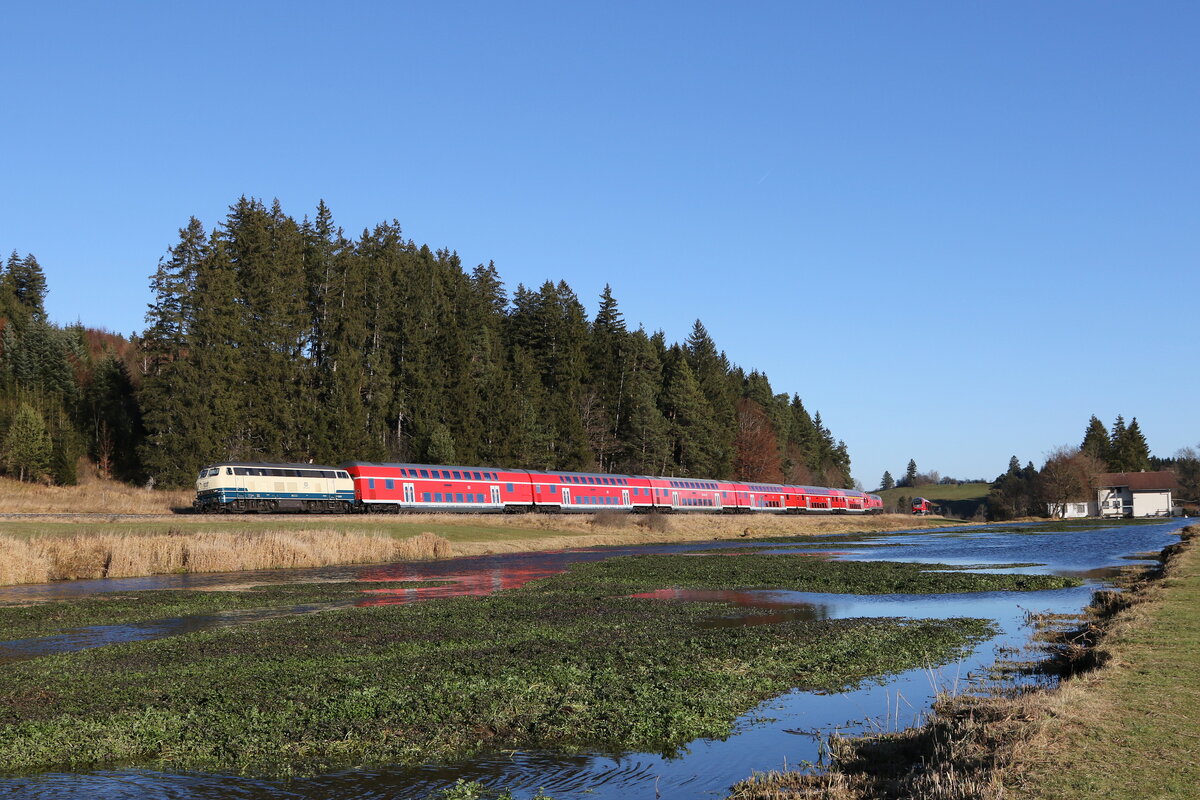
x=410, y=493
x=566, y=494
x=675, y=499
x=495, y=495
x=624, y=497
x=716, y=499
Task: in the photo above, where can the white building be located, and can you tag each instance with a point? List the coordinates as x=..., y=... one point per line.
x=1136, y=494
x=1072, y=510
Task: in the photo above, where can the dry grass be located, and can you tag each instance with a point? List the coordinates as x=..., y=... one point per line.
x=570, y=530
x=121, y=555
x=92, y=495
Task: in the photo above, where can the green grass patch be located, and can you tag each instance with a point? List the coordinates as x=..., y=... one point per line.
x=560, y=664
x=940, y=491
x=1135, y=732
x=635, y=574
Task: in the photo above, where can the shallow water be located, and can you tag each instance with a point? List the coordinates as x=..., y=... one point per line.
x=784, y=730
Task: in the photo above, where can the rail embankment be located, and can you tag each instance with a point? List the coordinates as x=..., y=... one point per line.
x=38, y=551
x=1124, y=722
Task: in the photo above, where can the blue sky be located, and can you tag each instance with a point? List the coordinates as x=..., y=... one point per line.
x=955, y=229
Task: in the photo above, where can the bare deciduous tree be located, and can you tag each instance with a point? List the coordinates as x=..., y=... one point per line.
x=1068, y=476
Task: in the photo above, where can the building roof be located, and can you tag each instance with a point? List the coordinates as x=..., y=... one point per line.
x=1139, y=481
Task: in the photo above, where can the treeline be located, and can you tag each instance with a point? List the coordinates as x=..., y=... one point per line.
x=272, y=339
x=64, y=392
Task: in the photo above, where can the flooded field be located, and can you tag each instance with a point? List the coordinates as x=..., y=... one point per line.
x=786, y=729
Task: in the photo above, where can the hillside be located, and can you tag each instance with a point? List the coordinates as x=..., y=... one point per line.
x=960, y=500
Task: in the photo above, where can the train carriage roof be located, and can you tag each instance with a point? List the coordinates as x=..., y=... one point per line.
x=269, y=464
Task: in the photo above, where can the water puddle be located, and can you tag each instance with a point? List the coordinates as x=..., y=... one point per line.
x=100, y=635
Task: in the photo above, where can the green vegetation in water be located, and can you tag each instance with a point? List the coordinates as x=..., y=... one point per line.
x=474, y=790
x=562, y=665
x=802, y=573
x=43, y=619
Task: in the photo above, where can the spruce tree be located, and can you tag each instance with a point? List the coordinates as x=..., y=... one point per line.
x=888, y=482
x=1130, y=452
x=711, y=370
x=1096, y=441
x=910, y=474
x=25, y=283
x=644, y=437
x=1115, y=462
x=695, y=448
x=27, y=447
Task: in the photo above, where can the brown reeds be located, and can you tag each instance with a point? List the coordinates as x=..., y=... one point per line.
x=591, y=530
x=119, y=555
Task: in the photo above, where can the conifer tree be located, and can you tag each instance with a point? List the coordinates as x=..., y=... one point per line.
x=695, y=450
x=888, y=482
x=643, y=434
x=25, y=284
x=27, y=446
x=1130, y=452
x=1096, y=442
x=801, y=450
x=1116, y=437
x=910, y=474
x=711, y=370
x=608, y=362
x=169, y=315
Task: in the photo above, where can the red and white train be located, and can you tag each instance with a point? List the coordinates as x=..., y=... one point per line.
x=361, y=486
x=922, y=507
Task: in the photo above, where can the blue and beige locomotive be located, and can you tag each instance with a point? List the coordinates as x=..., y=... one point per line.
x=241, y=487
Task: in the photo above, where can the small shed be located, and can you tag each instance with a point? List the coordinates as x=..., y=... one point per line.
x=1136, y=494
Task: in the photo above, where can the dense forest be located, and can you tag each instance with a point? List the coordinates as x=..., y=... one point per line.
x=270, y=339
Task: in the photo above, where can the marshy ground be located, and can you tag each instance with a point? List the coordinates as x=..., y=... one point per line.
x=570, y=662
x=1122, y=724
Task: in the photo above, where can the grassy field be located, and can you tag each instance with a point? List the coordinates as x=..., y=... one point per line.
x=959, y=500
x=565, y=663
